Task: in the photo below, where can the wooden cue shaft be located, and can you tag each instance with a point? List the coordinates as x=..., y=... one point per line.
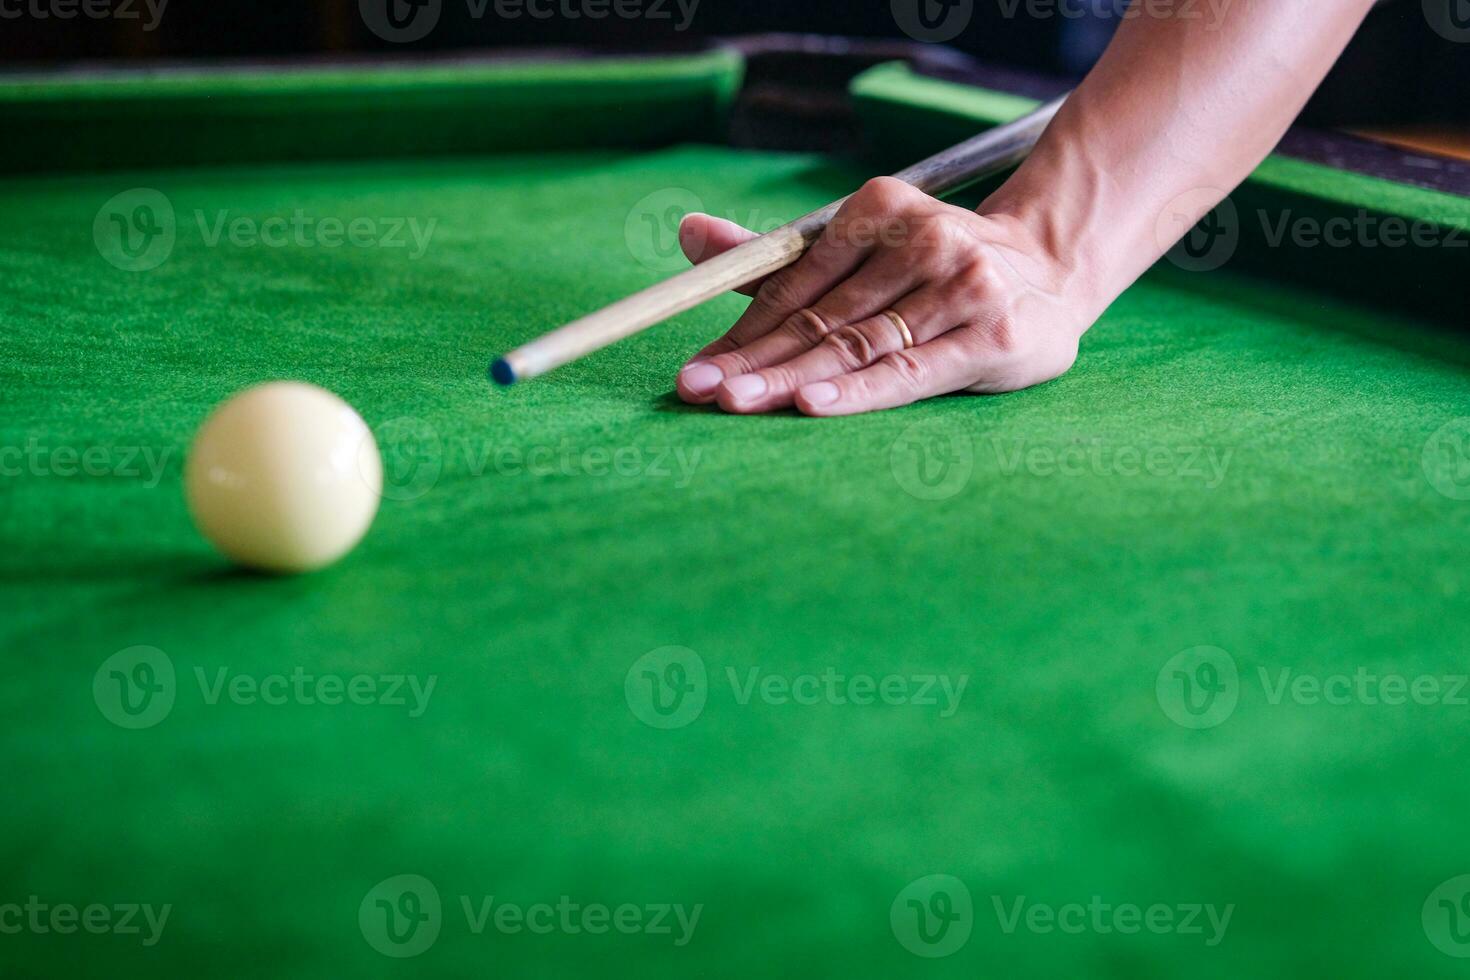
x=965, y=163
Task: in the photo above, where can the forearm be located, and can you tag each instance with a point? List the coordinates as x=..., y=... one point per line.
x=1175, y=105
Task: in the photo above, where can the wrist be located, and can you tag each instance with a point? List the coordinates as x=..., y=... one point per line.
x=1079, y=247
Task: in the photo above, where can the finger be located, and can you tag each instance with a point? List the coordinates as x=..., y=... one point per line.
x=945, y=364
x=781, y=298
x=850, y=237
x=703, y=236
x=926, y=313
x=827, y=322
x=829, y=261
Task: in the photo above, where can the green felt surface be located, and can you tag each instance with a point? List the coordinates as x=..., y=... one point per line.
x=782, y=545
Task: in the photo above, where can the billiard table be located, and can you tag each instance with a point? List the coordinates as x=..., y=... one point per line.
x=1155, y=670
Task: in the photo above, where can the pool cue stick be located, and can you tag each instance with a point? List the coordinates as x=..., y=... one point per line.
x=965, y=163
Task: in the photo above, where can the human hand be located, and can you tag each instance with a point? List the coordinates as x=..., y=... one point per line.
x=903, y=297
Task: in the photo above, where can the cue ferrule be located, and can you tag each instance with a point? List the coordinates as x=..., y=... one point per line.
x=965, y=163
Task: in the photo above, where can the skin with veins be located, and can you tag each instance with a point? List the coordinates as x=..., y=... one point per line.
x=1178, y=111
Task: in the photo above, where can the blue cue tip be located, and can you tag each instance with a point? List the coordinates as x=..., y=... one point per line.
x=502, y=373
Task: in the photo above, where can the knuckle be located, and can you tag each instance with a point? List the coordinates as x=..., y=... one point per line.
x=736, y=362
x=855, y=389
x=980, y=277
x=720, y=346
x=883, y=194
x=780, y=378
x=910, y=371
x=777, y=295
x=851, y=345
x=971, y=288
x=807, y=326
x=1001, y=336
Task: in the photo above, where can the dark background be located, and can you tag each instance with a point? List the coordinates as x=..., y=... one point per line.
x=1399, y=70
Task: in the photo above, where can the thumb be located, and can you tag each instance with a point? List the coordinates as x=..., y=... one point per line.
x=703, y=236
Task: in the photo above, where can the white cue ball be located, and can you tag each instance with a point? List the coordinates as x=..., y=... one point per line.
x=284, y=477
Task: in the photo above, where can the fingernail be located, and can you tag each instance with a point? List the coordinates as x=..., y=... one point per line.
x=746, y=387
x=701, y=378
x=819, y=394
